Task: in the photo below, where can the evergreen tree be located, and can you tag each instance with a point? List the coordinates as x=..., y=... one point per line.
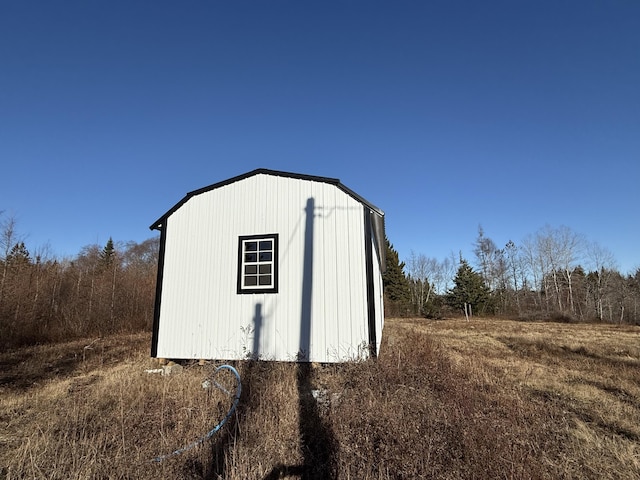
x=396, y=286
x=469, y=293
x=108, y=253
x=19, y=255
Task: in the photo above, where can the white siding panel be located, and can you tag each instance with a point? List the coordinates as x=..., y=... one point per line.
x=201, y=314
x=356, y=262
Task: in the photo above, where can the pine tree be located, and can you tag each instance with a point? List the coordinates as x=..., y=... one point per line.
x=107, y=254
x=470, y=293
x=19, y=255
x=396, y=286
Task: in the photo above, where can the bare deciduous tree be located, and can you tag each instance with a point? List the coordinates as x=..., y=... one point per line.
x=514, y=268
x=423, y=273
x=490, y=260
x=8, y=238
x=601, y=264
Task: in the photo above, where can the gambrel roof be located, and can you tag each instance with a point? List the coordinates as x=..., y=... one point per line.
x=378, y=217
x=157, y=225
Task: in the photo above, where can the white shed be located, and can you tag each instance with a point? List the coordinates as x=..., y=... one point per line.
x=270, y=265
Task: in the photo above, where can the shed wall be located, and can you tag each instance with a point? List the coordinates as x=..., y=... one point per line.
x=320, y=310
x=378, y=294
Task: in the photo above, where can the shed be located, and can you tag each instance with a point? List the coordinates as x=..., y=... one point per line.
x=271, y=265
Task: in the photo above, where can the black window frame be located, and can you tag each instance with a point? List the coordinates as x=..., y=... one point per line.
x=242, y=288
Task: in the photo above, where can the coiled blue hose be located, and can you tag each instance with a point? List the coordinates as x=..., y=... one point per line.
x=217, y=428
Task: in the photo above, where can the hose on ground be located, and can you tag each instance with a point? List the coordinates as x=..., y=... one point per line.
x=221, y=424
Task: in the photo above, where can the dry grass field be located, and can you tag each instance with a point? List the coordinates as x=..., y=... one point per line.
x=449, y=399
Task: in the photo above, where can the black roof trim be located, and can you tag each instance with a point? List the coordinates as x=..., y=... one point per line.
x=157, y=225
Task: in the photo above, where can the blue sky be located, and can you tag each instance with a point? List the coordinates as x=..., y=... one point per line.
x=447, y=115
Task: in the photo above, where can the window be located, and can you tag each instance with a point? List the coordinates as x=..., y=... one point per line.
x=258, y=264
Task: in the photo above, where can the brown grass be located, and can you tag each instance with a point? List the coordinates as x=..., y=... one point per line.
x=447, y=399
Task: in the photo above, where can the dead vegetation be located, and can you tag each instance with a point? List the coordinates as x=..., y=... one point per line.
x=447, y=399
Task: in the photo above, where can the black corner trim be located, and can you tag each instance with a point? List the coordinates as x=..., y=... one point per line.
x=156, y=307
x=371, y=307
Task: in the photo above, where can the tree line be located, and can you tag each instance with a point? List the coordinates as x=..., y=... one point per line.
x=554, y=274
x=103, y=289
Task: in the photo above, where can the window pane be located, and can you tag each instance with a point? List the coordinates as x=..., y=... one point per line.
x=265, y=245
x=257, y=267
x=265, y=256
